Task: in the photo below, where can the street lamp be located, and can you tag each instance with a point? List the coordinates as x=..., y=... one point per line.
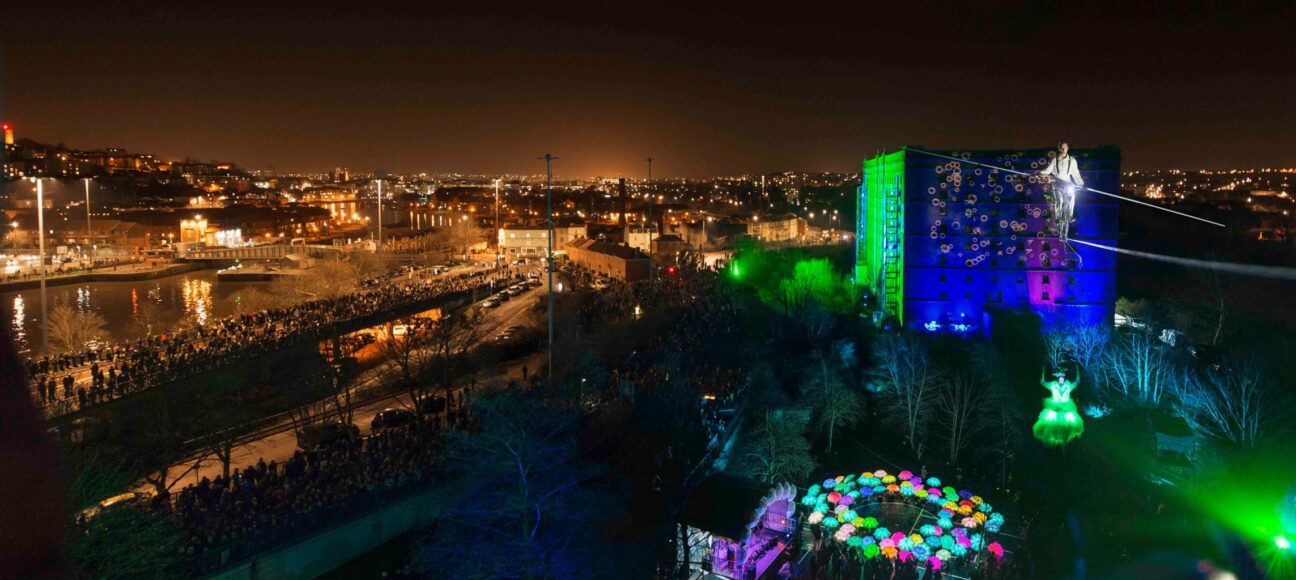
x=549, y=159
x=497, y=223
x=650, y=225
x=89, y=236
x=40, y=228
x=380, y=215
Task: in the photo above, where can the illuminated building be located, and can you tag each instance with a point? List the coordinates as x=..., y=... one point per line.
x=8, y=133
x=532, y=241
x=340, y=202
x=640, y=237
x=734, y=527
x=777, y=228
x=941, y=244
x=615, y=261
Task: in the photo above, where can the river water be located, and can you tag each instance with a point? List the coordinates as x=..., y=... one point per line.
x=195, y=297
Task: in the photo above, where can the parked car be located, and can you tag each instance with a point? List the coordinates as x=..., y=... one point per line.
x=137, y=498
x=432, y=404
x=390, y=417
x=325, y=434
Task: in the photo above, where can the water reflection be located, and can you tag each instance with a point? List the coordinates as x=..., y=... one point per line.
x=83, y=298
x=197, y=300
x=193, y=298
x=20, y=322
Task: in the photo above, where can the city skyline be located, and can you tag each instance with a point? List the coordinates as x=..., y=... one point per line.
x=706, y=93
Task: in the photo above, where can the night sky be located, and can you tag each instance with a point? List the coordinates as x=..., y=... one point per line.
x=705, y=91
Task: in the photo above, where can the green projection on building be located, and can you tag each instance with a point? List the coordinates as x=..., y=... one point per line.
x=879, y=232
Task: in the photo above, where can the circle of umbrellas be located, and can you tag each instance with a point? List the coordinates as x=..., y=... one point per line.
x=963, y=520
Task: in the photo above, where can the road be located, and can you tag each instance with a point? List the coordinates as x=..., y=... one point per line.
x=280, y=441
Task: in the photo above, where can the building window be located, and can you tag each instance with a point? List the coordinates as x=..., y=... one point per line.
x=942, y=277
x=1044, y=295
x=942, y=295
x=1046, y=279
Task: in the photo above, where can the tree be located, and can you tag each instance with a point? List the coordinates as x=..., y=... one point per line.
x=813, y=293
x=20, y=239
x=1056, y=347
x=1218, y=293
x=432, y=356
x=1137, y=367
x=367, y=265
x=126, y=541
x=962, y=412
x=527, y=509
x=910, y=384
x=1004, y=421
x=777, y=449
x=1227, y=403
x=222, y=409
x=70, y=330
x=450, y=339
x=158, y=443
x=463, y=234
x=764, y=390
x=1089, y=344
x=836, y=404
x=152, y=319
x=1083, y=344
x=411, y=359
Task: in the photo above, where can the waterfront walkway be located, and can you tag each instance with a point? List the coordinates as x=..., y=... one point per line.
x=119, y=272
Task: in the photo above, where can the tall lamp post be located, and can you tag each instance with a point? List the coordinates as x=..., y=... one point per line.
x=549, y=159
x=497, y=224
x=89, y=235
x=40, y=227
x=380, y=215
x=650, y=224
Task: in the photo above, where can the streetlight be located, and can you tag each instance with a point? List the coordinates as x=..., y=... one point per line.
x=89, y=236
x=497, y=223
x=650, y=225
x=40, y=227
x=549, y=159
x=380, y=215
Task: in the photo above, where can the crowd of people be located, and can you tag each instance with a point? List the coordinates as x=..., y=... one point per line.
x=68, y=382
x=704, y=318
x=226, y=519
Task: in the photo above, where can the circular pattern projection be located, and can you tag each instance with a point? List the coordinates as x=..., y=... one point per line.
x=903, y=517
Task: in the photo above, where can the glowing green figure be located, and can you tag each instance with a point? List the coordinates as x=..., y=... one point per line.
x=1059, y=422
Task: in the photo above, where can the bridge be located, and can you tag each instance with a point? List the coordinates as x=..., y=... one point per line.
x=263, y=252
x=281, y=350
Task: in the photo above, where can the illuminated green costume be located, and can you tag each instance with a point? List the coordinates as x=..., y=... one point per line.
x=1059, y=422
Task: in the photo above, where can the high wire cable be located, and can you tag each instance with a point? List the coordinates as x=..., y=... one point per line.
x=1274, y=272
x=1121, y=197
